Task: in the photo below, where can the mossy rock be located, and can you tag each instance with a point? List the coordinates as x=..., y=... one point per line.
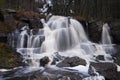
x=8, y=58
x=5, y=28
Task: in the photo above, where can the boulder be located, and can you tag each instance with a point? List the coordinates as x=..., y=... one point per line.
x=107, y=69
x=100, y=57
x=44, y=61
x=71, y=62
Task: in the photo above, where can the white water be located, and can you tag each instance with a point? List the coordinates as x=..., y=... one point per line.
x=64, y=36
x=106, y=39
x=105, y=35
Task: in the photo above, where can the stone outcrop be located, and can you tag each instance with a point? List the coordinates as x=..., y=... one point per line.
x=108, y=70
x=71, y=62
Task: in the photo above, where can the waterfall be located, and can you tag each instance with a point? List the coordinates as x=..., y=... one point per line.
x=106, y=39
x=63, y=35
x=105, y=35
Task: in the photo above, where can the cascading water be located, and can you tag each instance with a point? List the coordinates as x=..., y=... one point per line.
x=106, y=39
x=60, y=34
x=105, y=35
x=64, y=36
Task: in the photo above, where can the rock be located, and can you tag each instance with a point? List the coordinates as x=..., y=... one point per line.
x=1, y=16
x=118, y=76
x=3, y=38
x=71, y=62
x=92, y=71
x=57, y=57
x=100, y=57
x=44, y=61
x=64, y=74
x=108, y=70
x=95, y=31
x=19, y=74
x=115, y=31
x=116, y=55
x=5, y=28
x=8, y=23
x=40, y=74
x=35, y=24
x=8, y=57
x=28, y=15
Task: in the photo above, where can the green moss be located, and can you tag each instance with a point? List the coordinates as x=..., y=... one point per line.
x=7, y=56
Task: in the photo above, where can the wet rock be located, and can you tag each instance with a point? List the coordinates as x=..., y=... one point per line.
x=71, y=62
x=44, y=61
x=100, y=57
x=92, y=71
x=21, y=24
x=108, y=70
x=40, y=74
x=64, y=74
x=35, y=24
x=116, y=55
x=19, y=74
x=115, y=31
x=57, y=58
x=94, y=31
